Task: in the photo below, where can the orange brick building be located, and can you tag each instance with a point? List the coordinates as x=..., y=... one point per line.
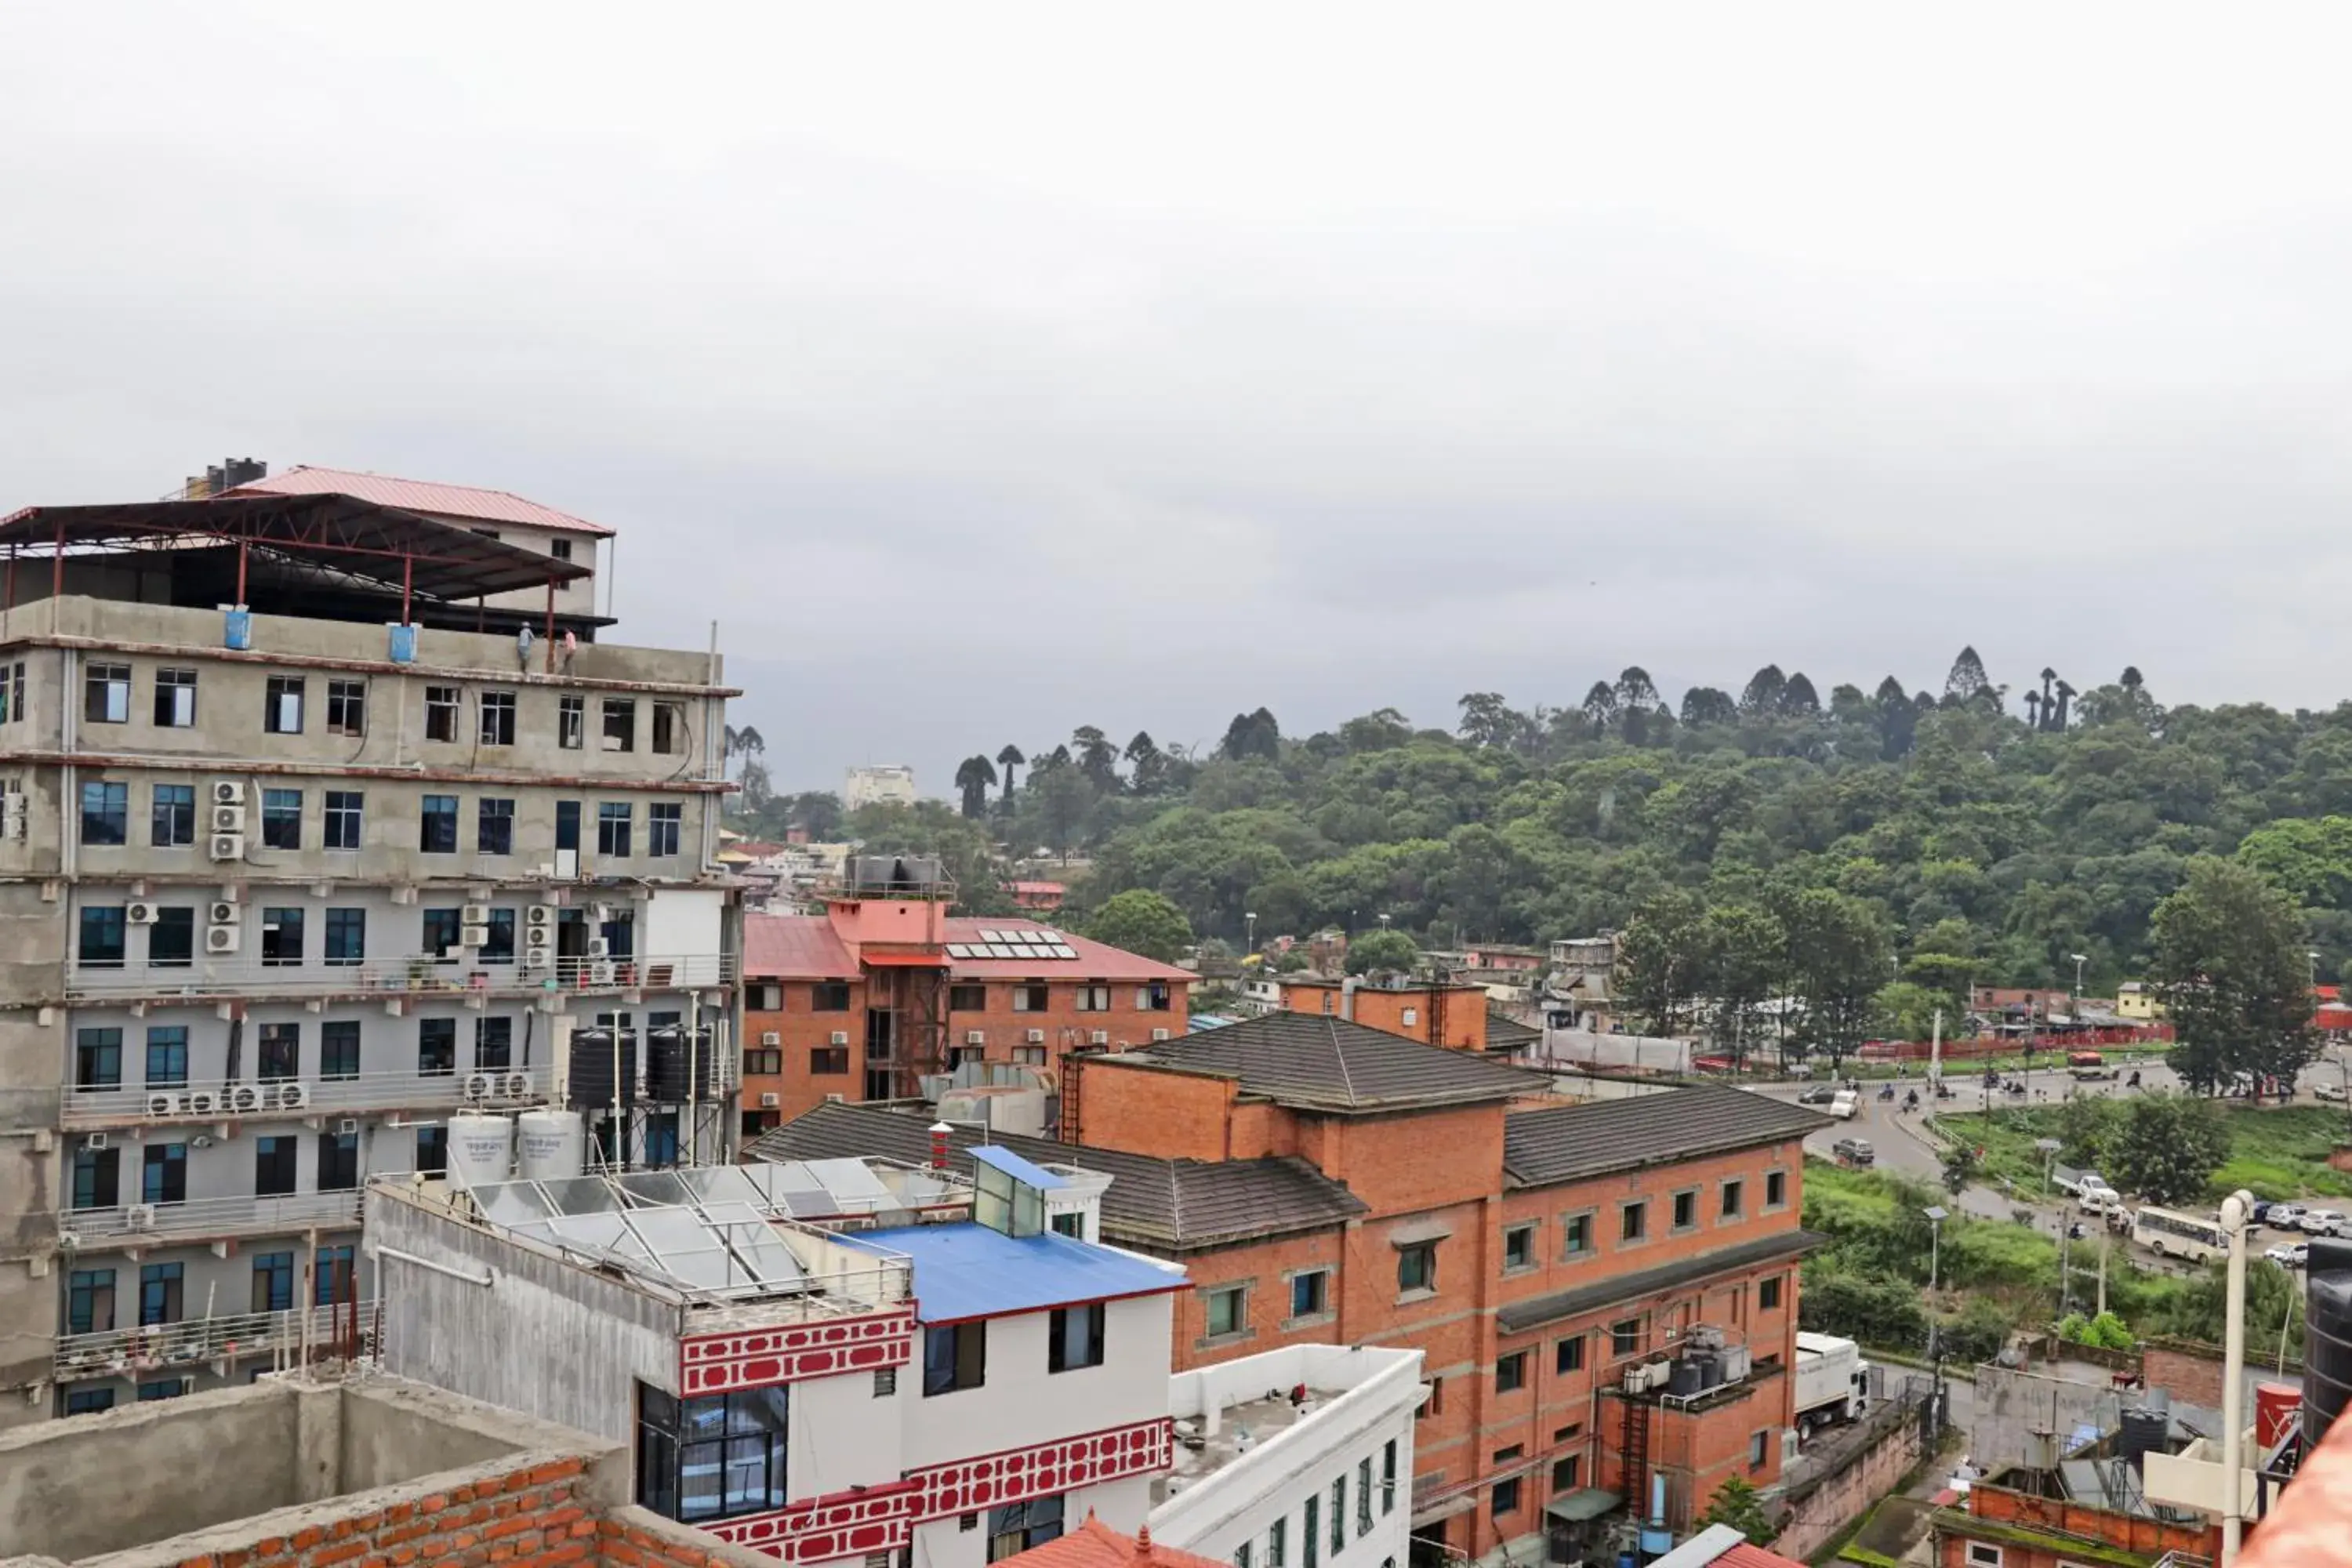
x=1325, y=1182
x=1435, y=1014
x=861, y=1001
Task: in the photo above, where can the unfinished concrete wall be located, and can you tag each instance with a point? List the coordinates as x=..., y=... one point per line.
x=449, y=1332
x=389, y=1433
x=104, y=1483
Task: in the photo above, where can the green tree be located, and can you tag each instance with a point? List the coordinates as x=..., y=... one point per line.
x=2166, y=1147
x=1659, y=963
x=1740, y=951
x=2232, y=966
x=1737, y=1504
x=1146, y=763
x=1009, y=759
x=1383, y=952
x=1057, y=809
x=1840, y=958
x=1141, y=922
x=974, y=777
x=1097, y=758
x=1251, y=736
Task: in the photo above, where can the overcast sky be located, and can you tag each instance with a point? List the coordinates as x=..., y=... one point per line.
x=986, y=371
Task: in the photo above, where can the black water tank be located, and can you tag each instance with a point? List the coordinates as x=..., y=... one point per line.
x=670, y=1054
x=1687, y=1378
x=2143, y=1433
x=2326, y=1337
x=591, y=1068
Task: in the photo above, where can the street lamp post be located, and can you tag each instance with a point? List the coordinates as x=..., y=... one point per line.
x=1249, y=932
x=1936, y=1218
x=1937, y=1215
x=2049, y=1147
x=2078, y=984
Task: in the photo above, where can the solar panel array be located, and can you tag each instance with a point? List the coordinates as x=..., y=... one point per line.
x=1015, y=943
x=701, y=1228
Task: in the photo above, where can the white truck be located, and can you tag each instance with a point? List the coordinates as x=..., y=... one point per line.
x=1832, y=1380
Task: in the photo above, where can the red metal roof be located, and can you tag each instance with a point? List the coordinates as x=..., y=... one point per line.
x=421, y=495
x=795, y=947
x=1743, y=1555
x=1095, y=1544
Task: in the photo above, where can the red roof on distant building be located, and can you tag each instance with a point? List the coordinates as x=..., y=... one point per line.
x=420, y=494
x=1743, y=1555
x=1095, y=1544
x=806, y=947
x=1054, y=888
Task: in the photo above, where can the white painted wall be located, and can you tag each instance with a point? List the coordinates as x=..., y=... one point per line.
x=1214, y=1515
x=841, y=1436
x=681, y=920
x=945, y=1543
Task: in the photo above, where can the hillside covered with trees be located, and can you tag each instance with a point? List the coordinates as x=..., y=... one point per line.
x=1941, y=837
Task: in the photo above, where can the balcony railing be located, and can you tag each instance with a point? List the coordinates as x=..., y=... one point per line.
x=276, y=1099
x=122, y=1352
x=203, y=1219
x=245, y=973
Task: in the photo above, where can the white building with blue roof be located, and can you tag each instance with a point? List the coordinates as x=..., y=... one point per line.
x=886, y=1365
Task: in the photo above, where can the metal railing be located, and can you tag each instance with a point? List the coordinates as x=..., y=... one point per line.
x=206, y=1217
x=281, y=1097
x=119, y=1353
x=464, y=975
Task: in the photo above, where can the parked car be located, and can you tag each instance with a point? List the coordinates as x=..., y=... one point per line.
x=2322, y=1222
x=2283, y=1216
x=1854, y=1151
x=1818, y=1094
x=2290, y=1255
x=2334, y=1091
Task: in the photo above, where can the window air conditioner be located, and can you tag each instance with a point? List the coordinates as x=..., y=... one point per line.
x=480, y=1086
x=541, y=917
x=841, y=1037
x=1159, y=1033
x=1098, y=1036
x=221, y=939
x=769, y=1101
x=771, y=1037
x=836, y=1099
x=140, y=1216
x=975, y=1037
x=228, y=792
x=161, y=1104
x=599, y=947
x=228, y=819
x=515, y=1085
x=539, y=958
x=141, y=914
x=228, y=845
x=475, y=914
x=1036, y=1036
x=293, y=1096
x=244, y=1100
x=225, y=913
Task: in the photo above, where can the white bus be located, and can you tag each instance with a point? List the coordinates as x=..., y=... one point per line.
x=2169, y=1233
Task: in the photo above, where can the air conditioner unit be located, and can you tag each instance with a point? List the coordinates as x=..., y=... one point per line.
x=293, y=1096
x=480, y=1086
x=541, y=917
x=228, y=792
x=228, y=819
x=1098, y=1036
x=769, y=1101
x=141, y=914
x=225, y=913
x=221, y=939
x=539, y=958
x=475, y=914
x=244, y=1100
x=975, y=1037
x=94, y=1141
x=516, y=1085
x=474, y=936
x=1637, y=1379
x=599, y=947
x=836, y=1099
x=771, y=1037
x=228, y=845
x=68, y=1239
x=841, y=1037
x=348, y=1126
x=161, y=1104
x=203, y=1102
x=1159, y=1033
x=140, y=1216
x=1036, y=1036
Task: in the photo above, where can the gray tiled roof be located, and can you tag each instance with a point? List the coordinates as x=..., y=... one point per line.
x=1518, y=1316
x=1564, y=1143
x=1179, y=1205
x=1318, y=1063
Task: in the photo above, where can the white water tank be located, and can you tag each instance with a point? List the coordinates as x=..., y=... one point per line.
x=481, y=1149
x=553, y=1144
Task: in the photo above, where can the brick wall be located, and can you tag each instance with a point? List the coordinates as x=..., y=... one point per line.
x=528, y=1516
x=1148, y=1111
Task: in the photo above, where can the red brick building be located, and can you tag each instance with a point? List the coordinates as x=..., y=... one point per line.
x=856, y=1004
x=1325, y=1182
x=1435, y=1012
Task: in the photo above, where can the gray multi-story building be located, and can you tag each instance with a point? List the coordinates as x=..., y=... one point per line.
x=325, y=818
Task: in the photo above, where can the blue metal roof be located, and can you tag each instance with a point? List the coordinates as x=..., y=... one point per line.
x=967, y=1270
x=1019, y=1169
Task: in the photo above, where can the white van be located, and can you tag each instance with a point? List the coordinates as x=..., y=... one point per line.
x=1845, y=1103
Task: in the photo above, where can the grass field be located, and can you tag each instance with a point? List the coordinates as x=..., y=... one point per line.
x=2274, y=1151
